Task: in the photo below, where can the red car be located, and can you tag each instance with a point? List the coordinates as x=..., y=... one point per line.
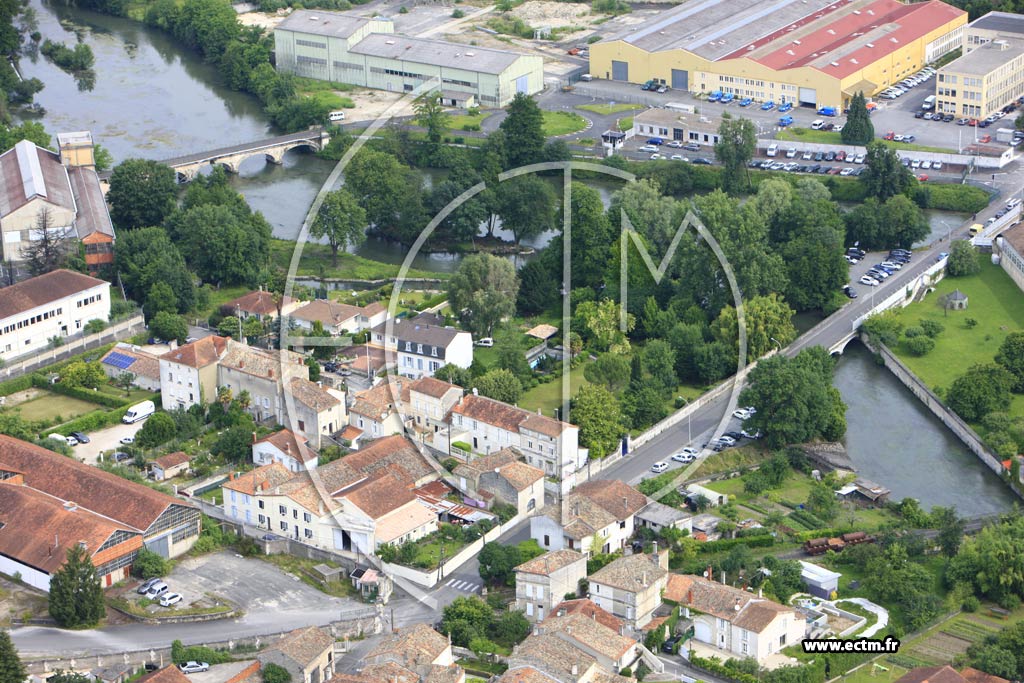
x=923, y=177
x=890, y=135
x=972, y=122
x=840, y=155
x=985, y=138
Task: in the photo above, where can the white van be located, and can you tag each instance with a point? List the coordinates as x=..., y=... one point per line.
x=587, y=77
x=929, y=103
x=139, y=411
x=817, y=124
x=59, y=437
x=772, y=150
x=336, y=116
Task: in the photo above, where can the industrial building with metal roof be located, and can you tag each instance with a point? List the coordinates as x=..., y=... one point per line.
x=813, y=53
x=347, y=48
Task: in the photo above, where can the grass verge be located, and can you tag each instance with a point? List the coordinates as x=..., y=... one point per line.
x=827, y=137
x=562, y=123
x=316, y=262
x=607, y=109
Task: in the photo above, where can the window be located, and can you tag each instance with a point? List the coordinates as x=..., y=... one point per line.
x=284, y=526
x=782, y=640
x=622, y=524
x=295, y=514
x=282, y=510
x=311, y=43
x=306, y=517
x=307, y=533
x=263, y=519
x=302, y=425
x=419, y=348
x=529, y=591
x=261, y=504
x=547, y=540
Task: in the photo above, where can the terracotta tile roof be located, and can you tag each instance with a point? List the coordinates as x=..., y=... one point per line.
x=285, y=441
x=719, y=600
x=145, y=364
x=654, y=623
x=416, y=645
x=675, y=589
x=445, y=674
x=198, y=354
x=389, y=672
x=599, y=637
x=31, y=521
x=526, y=674
x=520, y=475
x=259, y=362
x=550, y=562
x=378, y=494
x=390, y=450
x=590, y=610
x=172, y=459
x=931, y=674
x=974, y=676
x=431, y=386
x=402, y=521
x=614, y=496
x=606, y=677
x=374, y=308
x=553, y=655
x=330, y=313
x=304, y=645
x=263, y=478
x=487, y=463
x=631, y=573
x=313, y=395
x=543, y=331
x=303, y=491
x=377, y=402
x=351, y=432
x=93, y=489
x=43, y=289
x=168, y=674
x=260, y=302
x=509, y=418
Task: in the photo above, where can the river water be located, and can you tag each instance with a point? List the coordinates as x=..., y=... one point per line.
x=895, y=441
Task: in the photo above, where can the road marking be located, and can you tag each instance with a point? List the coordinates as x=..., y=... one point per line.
x=472, y=588
x=450, y=582
x=459, y=586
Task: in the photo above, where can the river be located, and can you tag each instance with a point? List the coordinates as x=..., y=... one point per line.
x=895, y=441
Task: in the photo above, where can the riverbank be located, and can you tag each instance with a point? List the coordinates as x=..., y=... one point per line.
x=316, y=263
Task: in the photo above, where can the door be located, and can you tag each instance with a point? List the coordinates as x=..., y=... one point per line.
x=522, y=84
x=620, y=70
x=680, y=79
x=808, y=96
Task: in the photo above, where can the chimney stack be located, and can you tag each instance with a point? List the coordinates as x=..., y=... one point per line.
x=254, y=437
x=575, y=669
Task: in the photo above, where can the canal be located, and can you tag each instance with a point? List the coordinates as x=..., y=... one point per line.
x=895, y=441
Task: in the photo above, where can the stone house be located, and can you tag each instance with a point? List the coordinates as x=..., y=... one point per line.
x=630, y=587
x=306, y=653
x=543, y=582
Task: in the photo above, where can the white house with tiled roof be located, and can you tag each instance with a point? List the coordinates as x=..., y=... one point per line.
x=487, y=425
x=284, y=447
x=420, y=346
x=377, y=411
x=612, y=650
x=263, y=374
x=56, y=304
x=319, y=411
x=543, y=582
x=602, y=509
x=142, y=365
x=428, y=402
x=261, y=305
x=188, y=374
x=733, y=621
x=630, y=587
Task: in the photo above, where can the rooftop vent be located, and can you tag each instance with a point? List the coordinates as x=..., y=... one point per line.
x=893, y=40
x=871, y=12
x=831, y=32
x=870, y=44
x=796, y=42
x=834, y=63
x=790, y=53
x=854, y=61
x=389, y=42
x=470, y=54
x=856, y=11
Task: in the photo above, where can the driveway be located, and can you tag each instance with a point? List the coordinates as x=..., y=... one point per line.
x=108, y=439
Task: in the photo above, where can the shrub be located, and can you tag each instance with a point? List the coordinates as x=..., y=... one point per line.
x=181, y=654
x=450, y=464
x=919, y=346
x=95, y=325
x=913, y=331
x=458, y=14
x=970, y=604
x=149, y=565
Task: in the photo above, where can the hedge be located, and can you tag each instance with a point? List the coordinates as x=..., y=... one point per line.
x=97, y=397
x=821, y=533
x=807, y=519
x=713, y=666
x=951, y=197
x=88, y=423
x=763, y=541
x=17, y=384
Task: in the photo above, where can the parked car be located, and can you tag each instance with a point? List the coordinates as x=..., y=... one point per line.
x=193, y=667
x=121, y=456
x=727, y=98
x=746, y=102
x=684, y=457
x=678, y=157
x=659, y=467
x=655, y=141
x=692, y=147
x=741, y=414
x=715, y=96
x=147, y=585
x=702, y=160
x=868, y=280
x=785, y=121
x=675, y=144
x=670, y=645
x=170, y=599
x=156, y=590
x=849, y=292
x=82, y=438
x=785, y=106
x=768, y=106
x=751, y=435
x=648, y=148
x=71, y=441
x=726, y=439
x=128, y=440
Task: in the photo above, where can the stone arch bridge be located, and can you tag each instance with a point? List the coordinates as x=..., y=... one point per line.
x=272, y=149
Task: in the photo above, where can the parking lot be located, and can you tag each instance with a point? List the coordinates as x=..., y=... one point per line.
x=102, y=440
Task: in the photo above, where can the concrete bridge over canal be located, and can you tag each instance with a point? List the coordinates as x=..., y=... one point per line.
x=271, y=149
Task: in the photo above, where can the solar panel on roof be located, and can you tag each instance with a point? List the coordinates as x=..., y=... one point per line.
x=119, y=360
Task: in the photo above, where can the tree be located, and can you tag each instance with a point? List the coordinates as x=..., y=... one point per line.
x=983, y=389
x=883, y=327
x=146, y=256
x=524, y=132
x=659, y=367
x=341, y=220
x=142, y=193
x=222, y=243
x=821, y=501
x=379, y=182
x=597, y=414
x=453, y=374
x=47, y=248
x=11, y=668
x=160, y=299
x=538, y=290
x=896, y=222
x=858, y=129
x=884, y=174
x=598, y=323
x=499, y=384
x=1011, y=357
x=526, y=205
x=274, y=673
x=768, y=325
x=483, y=291
x=951, y=529
x=430, y=114
x=465, y=618
x=159, y=428
x=498, y=563
x=795, y=398
x=650, y=212
x=149, y=565
x=610, y=370
x=125, y=380
x=737, y=141
x=82, y=374
x=511, y=627
x=76, y=598
x=169, y=326
x=963, y=260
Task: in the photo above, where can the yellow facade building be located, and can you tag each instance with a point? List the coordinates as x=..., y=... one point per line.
x=813, y=53
x=990, y=73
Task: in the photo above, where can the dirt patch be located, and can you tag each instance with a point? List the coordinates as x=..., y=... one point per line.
x=262, y=19
x=20, y=602
x=21, y=397
x=371, y=104
x=540, y=13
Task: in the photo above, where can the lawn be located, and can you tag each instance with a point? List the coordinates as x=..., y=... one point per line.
x=316, y=262
x=326, y=92
x=547, y=397
x=429, y=553
x=625, y=123
x=562, y=123
x=993, y=300
x=607, y=109
x=458, y=121
x=831, y=138
x=49, y=406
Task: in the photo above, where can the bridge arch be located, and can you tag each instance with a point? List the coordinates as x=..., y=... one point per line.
x=231, y=158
